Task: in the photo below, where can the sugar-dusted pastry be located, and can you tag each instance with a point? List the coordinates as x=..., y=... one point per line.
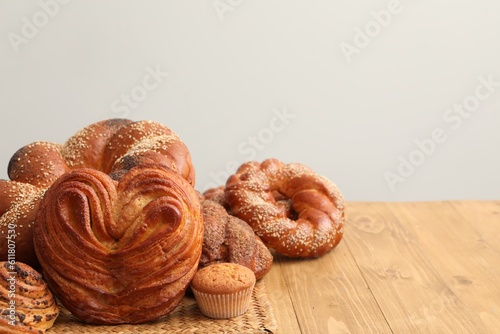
x=230, y=239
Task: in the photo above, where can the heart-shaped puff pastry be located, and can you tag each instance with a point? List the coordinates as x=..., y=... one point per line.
x=119, y=251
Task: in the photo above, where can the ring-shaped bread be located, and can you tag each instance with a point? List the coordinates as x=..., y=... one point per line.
x=289, y=206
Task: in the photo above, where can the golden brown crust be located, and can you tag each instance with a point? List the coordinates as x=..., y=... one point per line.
x=85, y=148
x=18, y=205
x=128, y=136
x=39, y=164
x=294, y=210
x=114, y=146
x=119, y=252
x=215, y=194
x=223, y=278
x=144, y=142
x=34, y=309
x=167, y=151
x=230, y=239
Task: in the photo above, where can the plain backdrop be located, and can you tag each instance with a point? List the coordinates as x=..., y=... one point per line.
x=367, y=93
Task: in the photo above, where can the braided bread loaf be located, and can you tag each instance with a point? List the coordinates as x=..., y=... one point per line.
x=119, y=251
x=112, y=146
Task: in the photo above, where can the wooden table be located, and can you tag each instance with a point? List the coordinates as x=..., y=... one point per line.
x=401, y=268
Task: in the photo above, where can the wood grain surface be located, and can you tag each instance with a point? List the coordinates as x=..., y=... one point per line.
x=426, y=267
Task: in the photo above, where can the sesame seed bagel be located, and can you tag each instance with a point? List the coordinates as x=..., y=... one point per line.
x=289, y=206
x=112, y=146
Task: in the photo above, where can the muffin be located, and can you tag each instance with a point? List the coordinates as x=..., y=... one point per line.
x=223, y=290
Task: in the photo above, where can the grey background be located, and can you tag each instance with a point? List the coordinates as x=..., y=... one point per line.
x=229, y=73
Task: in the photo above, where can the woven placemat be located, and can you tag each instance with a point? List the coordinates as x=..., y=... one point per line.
x=186, y=318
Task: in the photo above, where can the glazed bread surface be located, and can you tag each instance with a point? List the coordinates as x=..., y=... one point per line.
x=112, y=146
x=119, y=251
x=293, y=209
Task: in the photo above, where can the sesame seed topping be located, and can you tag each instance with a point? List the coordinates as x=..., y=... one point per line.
x=265, y=196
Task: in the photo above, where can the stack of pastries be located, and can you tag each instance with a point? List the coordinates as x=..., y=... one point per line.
x=112, y=219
